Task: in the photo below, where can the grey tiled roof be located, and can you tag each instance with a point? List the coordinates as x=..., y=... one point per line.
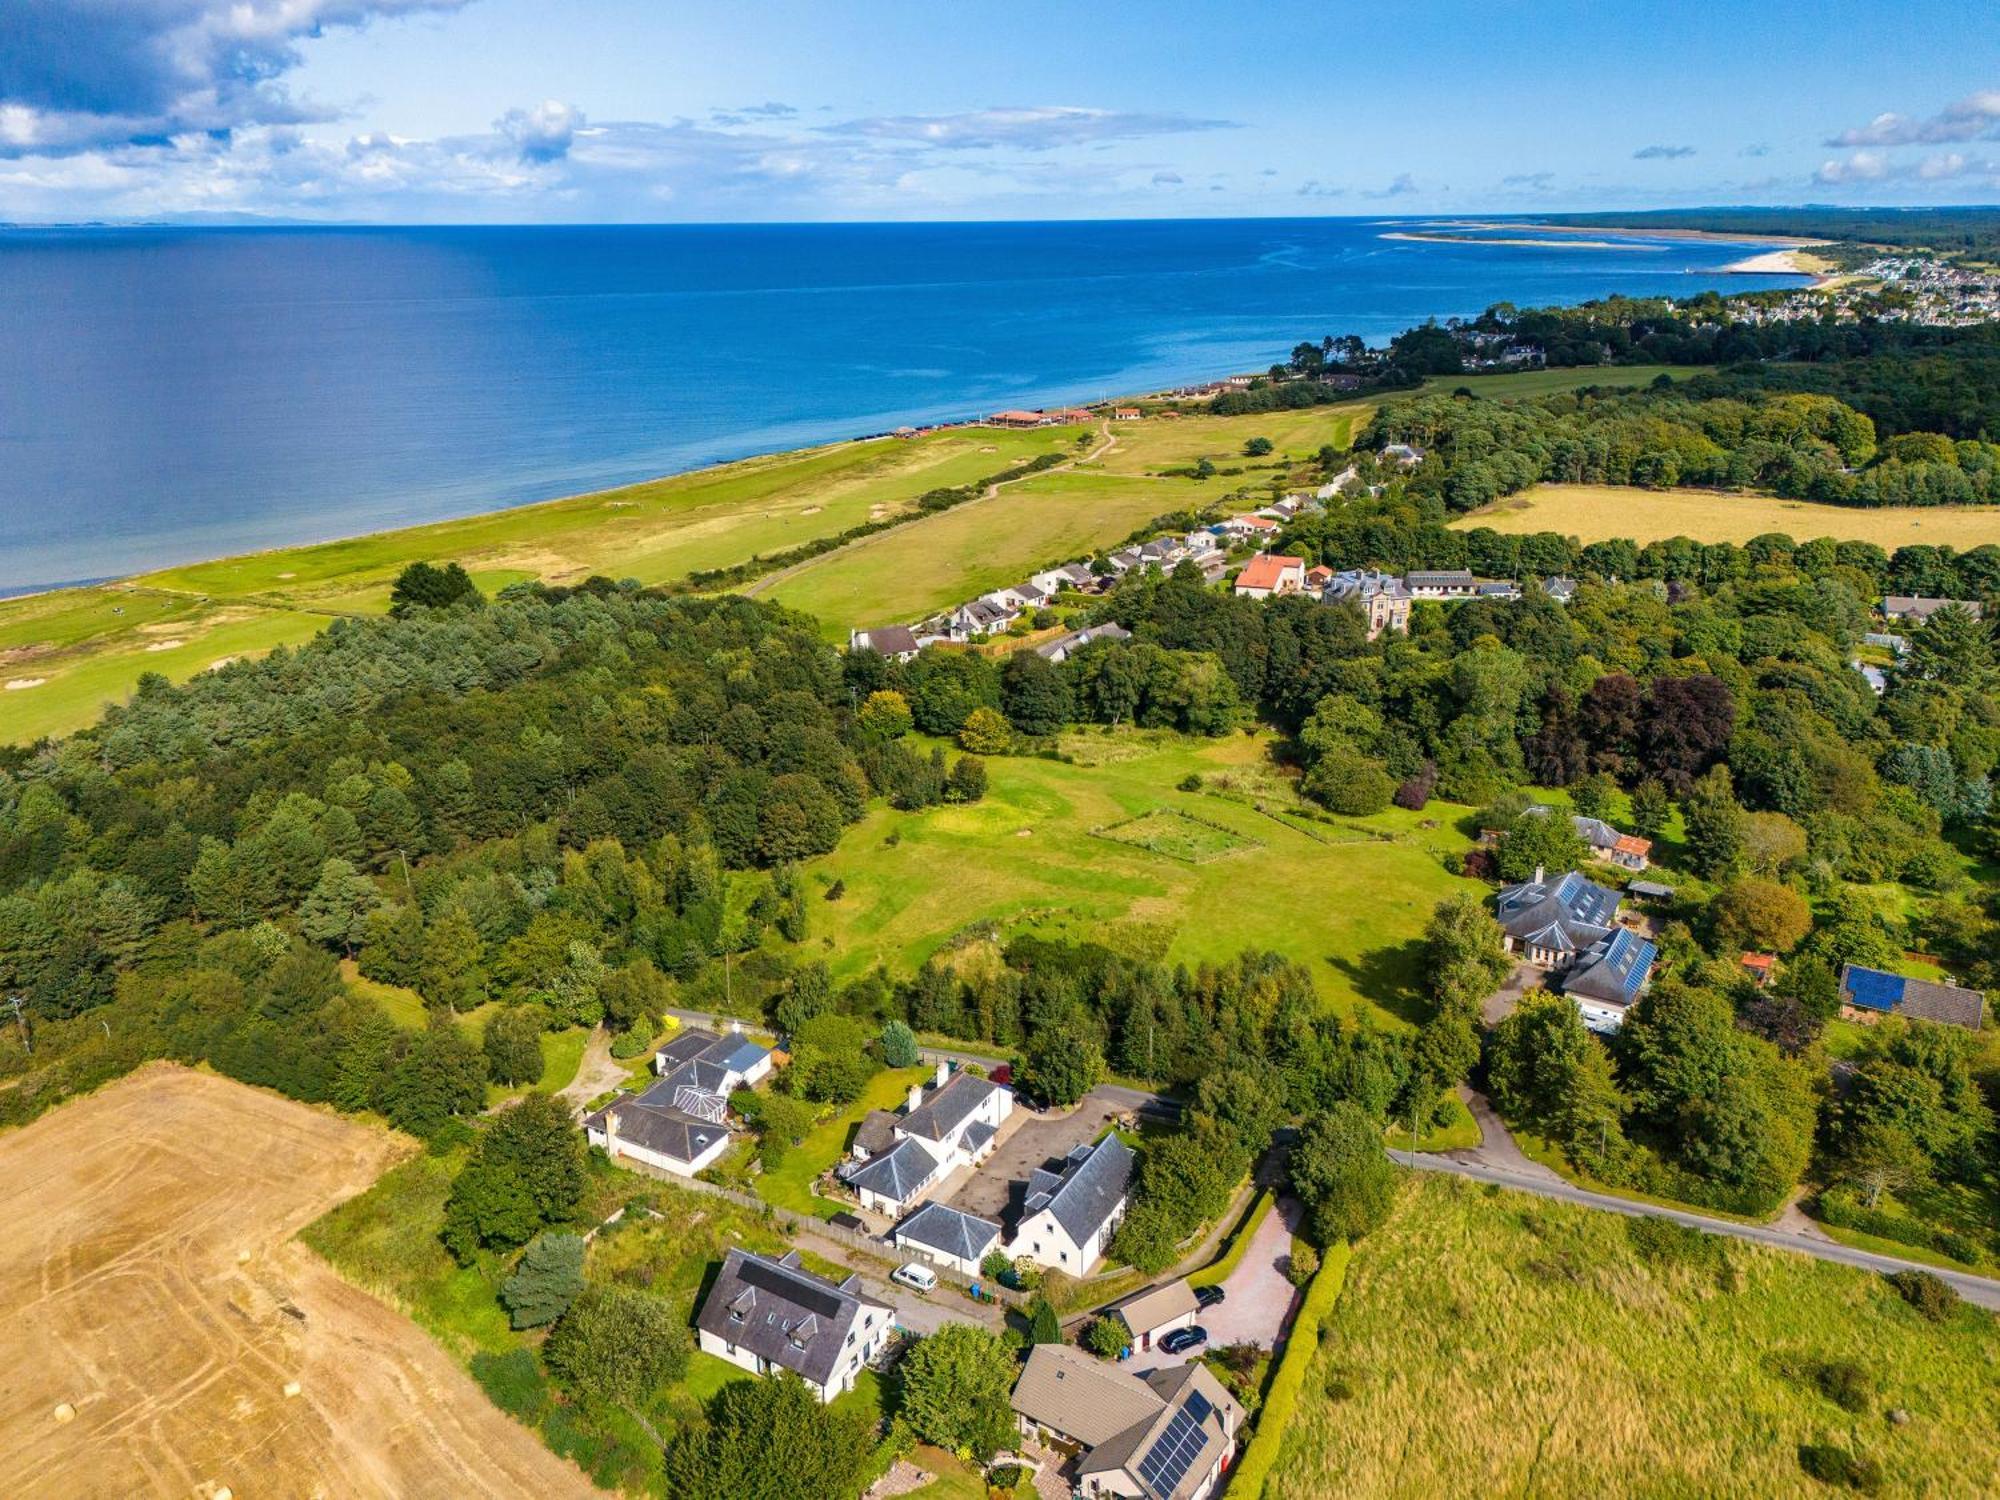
x=782, y=1313
x=657, y=1125
x=942, y=1228
x=898, y=1174
x=1087, y=1191
x=945, y=1109
x=1566, y=914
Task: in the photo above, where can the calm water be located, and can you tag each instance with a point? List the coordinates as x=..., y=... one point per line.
x=169, y=395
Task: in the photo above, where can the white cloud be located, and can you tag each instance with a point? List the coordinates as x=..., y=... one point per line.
x=1041, y=128
x=544, y=133
x=1880, y=166
x=1975, y=117
x=77, y=77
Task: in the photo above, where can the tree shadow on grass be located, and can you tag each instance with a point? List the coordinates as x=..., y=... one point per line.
x=1390, y=977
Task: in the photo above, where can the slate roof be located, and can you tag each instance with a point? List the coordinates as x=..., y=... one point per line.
x=1066, y=645
x=687, y=1046
x=1922, y=607
x=977, y=1135
x=1918, y=999
x=1364, y=583
x=1566, y=915
x=658, y=1126
x=782, y=1313
x=1087, y=1191
x=876, y=1133
x=945, y=1229
x=1439, y=578
x=890, y=640
x=897, y=1174
x=946, y=1108
x=1614, y=970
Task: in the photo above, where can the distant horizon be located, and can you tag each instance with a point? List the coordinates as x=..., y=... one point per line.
x=240, y=219
x=408, y=112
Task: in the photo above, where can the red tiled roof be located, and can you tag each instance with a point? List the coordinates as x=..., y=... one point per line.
x=1266, y=570
x=1759, y=960
x=1631, y=843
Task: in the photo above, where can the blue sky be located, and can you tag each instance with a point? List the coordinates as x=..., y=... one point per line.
x=634, y=110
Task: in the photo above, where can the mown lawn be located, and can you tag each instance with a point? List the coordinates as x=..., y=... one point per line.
x=789, y=1184
x=1349, y=898
x=1489, y=1343
x=1595, y=512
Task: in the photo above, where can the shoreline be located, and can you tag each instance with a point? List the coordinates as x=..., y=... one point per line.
x=1783, y=241
x=1539, y=244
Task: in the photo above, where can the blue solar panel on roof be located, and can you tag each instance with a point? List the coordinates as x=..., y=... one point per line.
x=1198, y=1406
x=1166, y=1463
x=1873, y=989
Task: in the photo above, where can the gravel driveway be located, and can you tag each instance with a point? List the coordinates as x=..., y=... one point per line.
x=1258, y=1298
x=997, y=1189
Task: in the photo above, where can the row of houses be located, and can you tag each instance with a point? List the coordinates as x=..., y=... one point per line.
x=898, y=1161
x=1383, y=598
x=1167, y=1435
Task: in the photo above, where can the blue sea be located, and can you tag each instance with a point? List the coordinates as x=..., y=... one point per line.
x=171, y=394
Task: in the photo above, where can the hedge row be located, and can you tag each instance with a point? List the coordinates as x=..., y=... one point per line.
x=1262, y=1455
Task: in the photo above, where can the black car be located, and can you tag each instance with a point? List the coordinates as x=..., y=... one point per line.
x=1183, y=1339
x=1206, y=1297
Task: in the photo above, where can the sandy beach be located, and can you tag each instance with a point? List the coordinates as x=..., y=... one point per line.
x=1538, y=243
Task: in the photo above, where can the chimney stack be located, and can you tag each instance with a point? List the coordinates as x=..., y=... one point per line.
x=943, y=1072
x=916, y=1098
x=1541, y=875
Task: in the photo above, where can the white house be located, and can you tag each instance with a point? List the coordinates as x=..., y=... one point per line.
x=764, y=1315
x=897, y=642
x=952, y=1126
x=1070, y=1215
x=674, y=1126
x=947, y=1237
x=1271, y=573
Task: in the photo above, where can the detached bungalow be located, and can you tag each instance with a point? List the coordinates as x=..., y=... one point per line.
x=1570, y=928
x=947, y=1237
x=1169, y=1436
x=897, y=642
x=1441, y=583
x=1627, y=851
x=673, y=1127
x=1920, y=607
x=721, y=1064
x=1064, y=646
x=1403, y=455
x=1868, y=994
x=1271, y=573
x=1070, y=1215
x=1019, y=419
x=764, y=1315
x=1125, y=414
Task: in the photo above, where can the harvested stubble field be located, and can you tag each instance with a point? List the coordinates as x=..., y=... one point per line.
x=149, y=1280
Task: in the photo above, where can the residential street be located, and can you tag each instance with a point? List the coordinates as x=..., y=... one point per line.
x=1975, y=1289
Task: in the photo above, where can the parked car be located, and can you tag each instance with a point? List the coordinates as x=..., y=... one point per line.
x=1183, y=1339
x=1206, y=1297
x=917, y=1278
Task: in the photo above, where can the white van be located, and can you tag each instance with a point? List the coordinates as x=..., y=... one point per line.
x=918, y=1278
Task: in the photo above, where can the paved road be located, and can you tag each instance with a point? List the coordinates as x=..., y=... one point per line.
x=1975, y=1289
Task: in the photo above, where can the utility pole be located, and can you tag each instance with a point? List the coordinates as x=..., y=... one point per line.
x=21, y=1020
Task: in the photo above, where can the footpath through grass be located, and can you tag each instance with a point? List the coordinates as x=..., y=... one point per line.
x=1489, y=1343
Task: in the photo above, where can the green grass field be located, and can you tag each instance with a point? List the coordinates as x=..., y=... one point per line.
x=1488, y=1343
x=790, y=1183
x=64, y=656
x=1595, y=512
x=1524, y=383
x=1349, y=901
